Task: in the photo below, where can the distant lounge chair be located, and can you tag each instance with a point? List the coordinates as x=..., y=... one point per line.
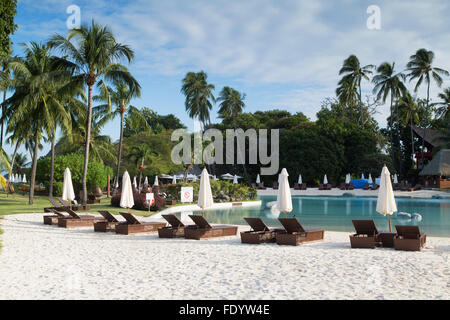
x=261, y=186
x=133, y=225
x=328, y=186
x=108, y=225
x=366, y=186
x=343, y=186
x=202, y=229
x=303, y=186
x=321, y=187
x=75, y=207
x=350, y=186
x=75, y=220
x=254, y=185
x=275, y=185
x=406, y=187
x=366, y=235
x=175, y=230
x=409, y=238
x=260, y=232
x=294, y=234
x=297, y=186
x=374, y=187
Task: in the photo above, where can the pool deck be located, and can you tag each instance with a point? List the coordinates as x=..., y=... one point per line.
x=336, y=192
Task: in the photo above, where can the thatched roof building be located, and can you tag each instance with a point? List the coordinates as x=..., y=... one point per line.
x=439, y=166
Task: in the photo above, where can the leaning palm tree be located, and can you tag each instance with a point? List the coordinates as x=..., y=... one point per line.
x=388, y=82
x=409, y=108
x=420, y=67
x=5, y=84
x=94, y=56
x=353, y=70
x=36, y=99
x=443, y=110
x=119, y=96
x=199, y=96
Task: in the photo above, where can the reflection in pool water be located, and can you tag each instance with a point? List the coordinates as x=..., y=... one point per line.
x=337, y=213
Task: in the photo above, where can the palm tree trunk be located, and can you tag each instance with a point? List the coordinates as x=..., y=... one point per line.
x=119, y=154
x=86, y=146
x=33, y=168
x=52, y=164
x=390, y=134
x=3, y=112
x=140, y=174
x=360, y=105
x=412, y=139
x=425, y=128
x=399, y=153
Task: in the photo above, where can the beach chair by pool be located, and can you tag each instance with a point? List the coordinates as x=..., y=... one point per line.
x=261, y=186
x=366, y=186
x=108, y=225
x=259, y=233
x=303, y=186
x=294, y=233
x=297, y=186
x=321, y=187
x=202, y=229
x=366, y=235
x=133, y=225
x=53, y=219
x=343, y=186
x=254, y=186
x=409, y=238
x=374, y=187
x=275, y=185
x=175, y=228
x=75, y=220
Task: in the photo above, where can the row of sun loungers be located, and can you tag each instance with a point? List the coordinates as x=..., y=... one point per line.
x=366, y=236
x=64, y=204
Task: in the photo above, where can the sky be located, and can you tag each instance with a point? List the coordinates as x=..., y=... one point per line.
x=283, y=54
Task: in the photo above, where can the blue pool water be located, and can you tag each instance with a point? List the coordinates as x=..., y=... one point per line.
x=337, y=213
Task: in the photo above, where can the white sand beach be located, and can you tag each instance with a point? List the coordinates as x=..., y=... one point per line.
x=47, y=262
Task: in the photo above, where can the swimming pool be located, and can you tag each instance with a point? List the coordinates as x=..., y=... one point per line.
x=337, y=213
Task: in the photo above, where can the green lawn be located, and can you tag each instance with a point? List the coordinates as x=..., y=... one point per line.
x=18, y=203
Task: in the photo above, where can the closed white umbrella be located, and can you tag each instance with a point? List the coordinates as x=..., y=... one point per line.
x=134, y=182
x=386, y=201
x=284, y=199
x=11, y=178
x=395, y=179
x=174, y=180
x=300, y=179
x=156, y=181
x=227, y=176
x=362, y=176
x=235, y=179
x=347, y=178
x=325, y=180
x=126, y=198
x=17, y=178
x=68, y=193
x=370, y=181
x=146, y=181
x=258, y=180
x=205, y=198
x=24, y=178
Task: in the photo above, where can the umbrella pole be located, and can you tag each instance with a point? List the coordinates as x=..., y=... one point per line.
x=70, y=205
x=389, y=218
x=203, y=212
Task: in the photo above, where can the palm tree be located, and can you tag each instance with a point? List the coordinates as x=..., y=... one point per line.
x=408, y=107
x=347, y=94
x=140, y=153
x=119, y=96
x=5, y=77
x=36, y=98
x=420, y=67
x=444, y=110
x=355, y=74
x=199, y=97
x=93, y=54
x=388, y=82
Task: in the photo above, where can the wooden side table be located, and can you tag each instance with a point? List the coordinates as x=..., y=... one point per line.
x=387, y=239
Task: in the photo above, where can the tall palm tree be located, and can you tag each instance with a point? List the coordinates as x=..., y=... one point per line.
x=140, y=153
x=388, y=82
x=354, y=72
x=444, y=110
x=119, y=96
x=408, y=107
x=5, y=77
x=93, y=54
x=36, y=97
x=420, y=67
x=199, y=96
x=347, y=95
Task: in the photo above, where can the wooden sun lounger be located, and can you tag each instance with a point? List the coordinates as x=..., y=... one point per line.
x=108, y=225
x=409, y=238
x=175, y=230
x=260, y=232
x=53, y=219
x=374, y=187
x=75, y=207
x=202, y=229
x=261, y=186
x=275, y=186
x=294, y=234
x=366, y=186
x=133, y=225
x=75, y=220
x=366, y=235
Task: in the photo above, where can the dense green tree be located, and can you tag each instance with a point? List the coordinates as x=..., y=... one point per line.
x=443, y=110
x=147, y=120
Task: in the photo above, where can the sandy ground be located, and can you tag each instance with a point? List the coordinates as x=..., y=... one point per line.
x=47, y=262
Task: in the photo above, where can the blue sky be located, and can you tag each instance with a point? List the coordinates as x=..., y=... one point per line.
x=282, y=53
